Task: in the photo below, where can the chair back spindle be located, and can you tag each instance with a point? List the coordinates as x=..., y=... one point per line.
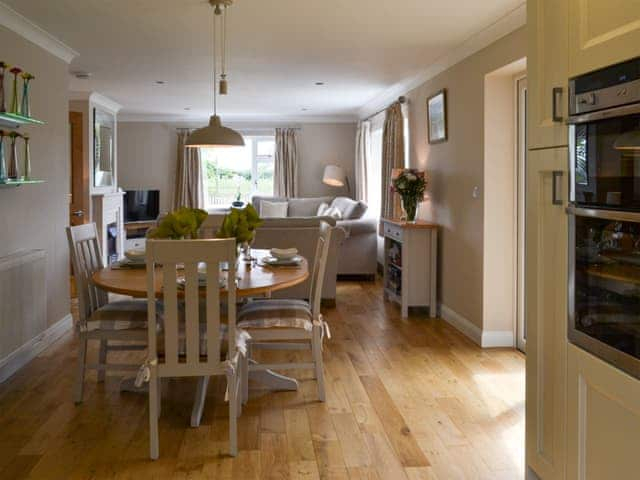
x=319, y=267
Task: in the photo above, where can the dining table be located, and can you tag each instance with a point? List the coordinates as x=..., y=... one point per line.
x=254, y=278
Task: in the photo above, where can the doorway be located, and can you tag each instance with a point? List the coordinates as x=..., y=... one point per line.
x=521, y=158
x=78, y=171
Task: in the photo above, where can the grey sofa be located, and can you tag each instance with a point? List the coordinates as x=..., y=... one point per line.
x=357, y=253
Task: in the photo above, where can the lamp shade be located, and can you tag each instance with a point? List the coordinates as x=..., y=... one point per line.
x=334, y=176
x=214, y=135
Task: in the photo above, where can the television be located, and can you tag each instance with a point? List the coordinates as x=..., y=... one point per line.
x=141, y=205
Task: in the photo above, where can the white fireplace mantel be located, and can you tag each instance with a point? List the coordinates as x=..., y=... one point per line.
x=108, y=208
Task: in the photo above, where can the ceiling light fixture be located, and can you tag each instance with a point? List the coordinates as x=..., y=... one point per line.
x=160, y=82
x=319, y=84
x=215, y=135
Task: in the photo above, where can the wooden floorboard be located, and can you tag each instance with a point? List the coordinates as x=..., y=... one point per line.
x=407, y=399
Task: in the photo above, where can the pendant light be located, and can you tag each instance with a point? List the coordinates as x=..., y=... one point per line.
x=215, y=135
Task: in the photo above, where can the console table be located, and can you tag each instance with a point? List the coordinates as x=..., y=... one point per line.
x=410, y=264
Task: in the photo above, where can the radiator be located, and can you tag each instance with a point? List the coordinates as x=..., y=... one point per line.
x=23, y=299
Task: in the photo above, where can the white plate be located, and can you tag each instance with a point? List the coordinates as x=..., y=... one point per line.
x=282, y=262
x=284, y=253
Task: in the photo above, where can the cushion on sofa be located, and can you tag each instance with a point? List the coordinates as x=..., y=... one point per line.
x=306, y=207
x=350, y=209
x=256, y=200
x=273, y=209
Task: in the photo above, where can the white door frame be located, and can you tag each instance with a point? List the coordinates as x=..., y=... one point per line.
x=521, y=156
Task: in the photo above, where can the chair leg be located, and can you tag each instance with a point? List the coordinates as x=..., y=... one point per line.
x=233, y=387
x=82, y=359
x=102, y=359
x=316, y=347
x=154, y=444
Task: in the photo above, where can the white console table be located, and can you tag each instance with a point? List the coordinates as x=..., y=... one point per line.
x=410, y=264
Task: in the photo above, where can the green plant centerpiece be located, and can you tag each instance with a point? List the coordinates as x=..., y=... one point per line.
x=410, y=184
x=179, y=224
x=241, y=224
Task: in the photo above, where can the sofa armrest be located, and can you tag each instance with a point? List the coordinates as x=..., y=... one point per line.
x=360, y=226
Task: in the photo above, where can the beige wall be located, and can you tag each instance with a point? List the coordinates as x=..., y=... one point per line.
x=35, y=216
x=147, y=158
x=147, y=155
x=457, y=166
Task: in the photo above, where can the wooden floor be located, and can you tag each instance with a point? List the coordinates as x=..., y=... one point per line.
x=406, y=399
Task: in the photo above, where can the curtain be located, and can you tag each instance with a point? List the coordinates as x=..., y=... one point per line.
x=363, y=157
x=392, y=158
x=286, y=163
x=189, y=191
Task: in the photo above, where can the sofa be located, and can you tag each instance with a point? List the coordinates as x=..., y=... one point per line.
x=357, y=254
x=301, y=233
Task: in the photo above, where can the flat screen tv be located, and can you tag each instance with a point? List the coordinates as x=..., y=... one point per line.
x=141, y=205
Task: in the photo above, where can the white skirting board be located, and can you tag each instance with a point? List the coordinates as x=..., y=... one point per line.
x=484, y=338
x=27, y=352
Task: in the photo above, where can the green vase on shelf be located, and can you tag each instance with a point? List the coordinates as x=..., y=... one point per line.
x=3, y=161
x=3, y=71
x=14, y=172
x=15, y=106
x=26, y=105
x=27, y=158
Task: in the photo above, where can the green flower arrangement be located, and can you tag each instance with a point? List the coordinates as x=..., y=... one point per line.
x=182, y=223
x=240, y=224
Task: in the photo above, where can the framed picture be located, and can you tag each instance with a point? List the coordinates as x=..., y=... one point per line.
x=437, y=117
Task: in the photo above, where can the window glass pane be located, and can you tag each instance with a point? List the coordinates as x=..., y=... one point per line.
x=228, y=173
x=266, y=148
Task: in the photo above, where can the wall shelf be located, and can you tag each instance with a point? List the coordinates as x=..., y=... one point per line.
x=14, y=120
x=17, y=183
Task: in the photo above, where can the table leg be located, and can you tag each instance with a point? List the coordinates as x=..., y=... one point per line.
x=272, y=380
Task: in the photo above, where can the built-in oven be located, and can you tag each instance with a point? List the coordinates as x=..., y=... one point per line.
x=604, y=214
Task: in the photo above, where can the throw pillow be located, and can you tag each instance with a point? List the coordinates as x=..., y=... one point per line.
x=273, y=209
x=333, y=212
x=322, y=209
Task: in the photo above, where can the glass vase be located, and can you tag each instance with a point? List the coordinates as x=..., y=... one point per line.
x=26, y=105
x=27, y=159
x=3, y=101
x=3, y=161
x=14, y=172
x=15, y=105
x=410, y=206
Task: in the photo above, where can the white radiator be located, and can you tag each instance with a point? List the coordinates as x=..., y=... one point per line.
x=23, y=301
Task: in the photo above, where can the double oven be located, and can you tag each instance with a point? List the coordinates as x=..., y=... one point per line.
x=604, y=214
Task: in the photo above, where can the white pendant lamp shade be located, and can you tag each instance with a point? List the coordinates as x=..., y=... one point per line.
x=214, y=135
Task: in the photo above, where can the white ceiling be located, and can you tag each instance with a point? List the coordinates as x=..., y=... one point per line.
x=361, y=49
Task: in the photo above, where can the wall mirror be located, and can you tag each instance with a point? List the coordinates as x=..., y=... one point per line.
x=103, y=143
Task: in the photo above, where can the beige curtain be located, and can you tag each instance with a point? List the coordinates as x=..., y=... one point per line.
x=363, y=157
x=392, y=157
x=286, y=163
x=189, y=191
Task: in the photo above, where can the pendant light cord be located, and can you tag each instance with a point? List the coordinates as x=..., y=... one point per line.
x=215, y=66
x=224, y=42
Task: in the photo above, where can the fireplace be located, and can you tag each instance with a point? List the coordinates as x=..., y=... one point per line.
x=112, y=243
x=107, y=214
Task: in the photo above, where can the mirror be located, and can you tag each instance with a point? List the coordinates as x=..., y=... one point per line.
x=103, y=143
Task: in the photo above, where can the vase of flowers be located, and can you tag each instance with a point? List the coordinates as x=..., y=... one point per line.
x=179, y=224
x=15, y=106
x=26, y=105
x=410, y=184
x=3, y=70
x=241, y=224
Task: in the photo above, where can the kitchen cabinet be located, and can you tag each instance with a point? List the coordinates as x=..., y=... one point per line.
x=547, y=77
x=602, y=33
x=603, y=419
x=546, y=311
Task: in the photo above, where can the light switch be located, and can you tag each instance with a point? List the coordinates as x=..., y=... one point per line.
x=476, y=192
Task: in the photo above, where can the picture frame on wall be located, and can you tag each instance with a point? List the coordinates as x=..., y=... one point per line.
x=437, y=117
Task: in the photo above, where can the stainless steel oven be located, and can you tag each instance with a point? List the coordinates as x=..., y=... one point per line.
x=604, y=214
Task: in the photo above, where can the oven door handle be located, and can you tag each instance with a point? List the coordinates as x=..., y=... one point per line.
x=616, y=215
x=604, y=114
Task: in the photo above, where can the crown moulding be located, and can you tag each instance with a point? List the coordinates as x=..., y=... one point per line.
x=96, y=98
x=24, y=27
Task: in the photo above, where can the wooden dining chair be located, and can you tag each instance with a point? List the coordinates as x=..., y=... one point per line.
x=99, y=319
x=185, y=348
x=289, y=324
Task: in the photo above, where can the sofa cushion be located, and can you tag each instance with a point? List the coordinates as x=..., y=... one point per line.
x=273, y=209
x=324, y=206
x=256, y=200
x=333, y=212
x=350, y=209
x=306, y=207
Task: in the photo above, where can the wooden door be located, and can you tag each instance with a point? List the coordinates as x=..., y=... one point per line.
x=601, y=33
x=547, y=66
x=546, y=311
x=603, y=419
x=79, y=205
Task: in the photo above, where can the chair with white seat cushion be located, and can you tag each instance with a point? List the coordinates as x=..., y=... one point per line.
x=98, y=318
x=190, y=345
x=280, y=323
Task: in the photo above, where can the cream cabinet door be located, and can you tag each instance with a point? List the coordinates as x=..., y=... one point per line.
x=547, y=66
x=546, y=311
x=603, y=420
x=601, y=33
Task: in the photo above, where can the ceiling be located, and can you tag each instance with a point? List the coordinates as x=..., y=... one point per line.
x=279, y=49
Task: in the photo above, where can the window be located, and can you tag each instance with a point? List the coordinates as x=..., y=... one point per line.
x=241, y=172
